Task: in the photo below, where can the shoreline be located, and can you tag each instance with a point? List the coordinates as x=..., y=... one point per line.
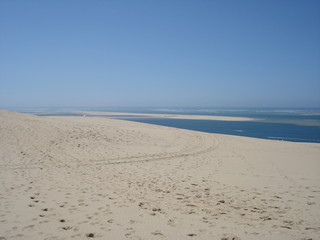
x=307, y=122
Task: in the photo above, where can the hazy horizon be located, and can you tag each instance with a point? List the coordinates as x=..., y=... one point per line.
x=175, y=109
x=211, y=54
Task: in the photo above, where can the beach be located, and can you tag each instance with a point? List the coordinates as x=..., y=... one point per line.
x=67, y=177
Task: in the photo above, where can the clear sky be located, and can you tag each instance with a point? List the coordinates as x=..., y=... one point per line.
x=207, y=53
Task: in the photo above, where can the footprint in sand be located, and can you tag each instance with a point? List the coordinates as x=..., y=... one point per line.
x=230, y=238
x=157, y=233
x=66, y=228
x=191, y=234
x=90, y=235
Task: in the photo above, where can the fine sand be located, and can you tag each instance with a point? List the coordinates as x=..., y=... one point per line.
x=153, y=115
x=103, y=178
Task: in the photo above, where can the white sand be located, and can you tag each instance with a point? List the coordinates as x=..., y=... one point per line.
x=153, y=115
x=173, y=116
x=67, y=177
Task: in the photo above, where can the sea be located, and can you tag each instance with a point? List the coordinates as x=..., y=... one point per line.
x=296, y=125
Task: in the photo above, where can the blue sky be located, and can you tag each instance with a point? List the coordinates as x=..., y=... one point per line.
x=73, y=53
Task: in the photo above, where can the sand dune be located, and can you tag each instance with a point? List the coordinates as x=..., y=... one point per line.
x=101, y=178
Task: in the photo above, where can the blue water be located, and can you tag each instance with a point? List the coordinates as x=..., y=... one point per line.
x=264, y=130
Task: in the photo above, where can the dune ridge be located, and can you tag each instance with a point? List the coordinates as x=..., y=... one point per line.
x=103, y=178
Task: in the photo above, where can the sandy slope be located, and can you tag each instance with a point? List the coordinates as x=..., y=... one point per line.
x=99, y=178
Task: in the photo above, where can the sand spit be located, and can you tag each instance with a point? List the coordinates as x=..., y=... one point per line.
x=173, y=116
x=153, y=115
x=101, y=178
